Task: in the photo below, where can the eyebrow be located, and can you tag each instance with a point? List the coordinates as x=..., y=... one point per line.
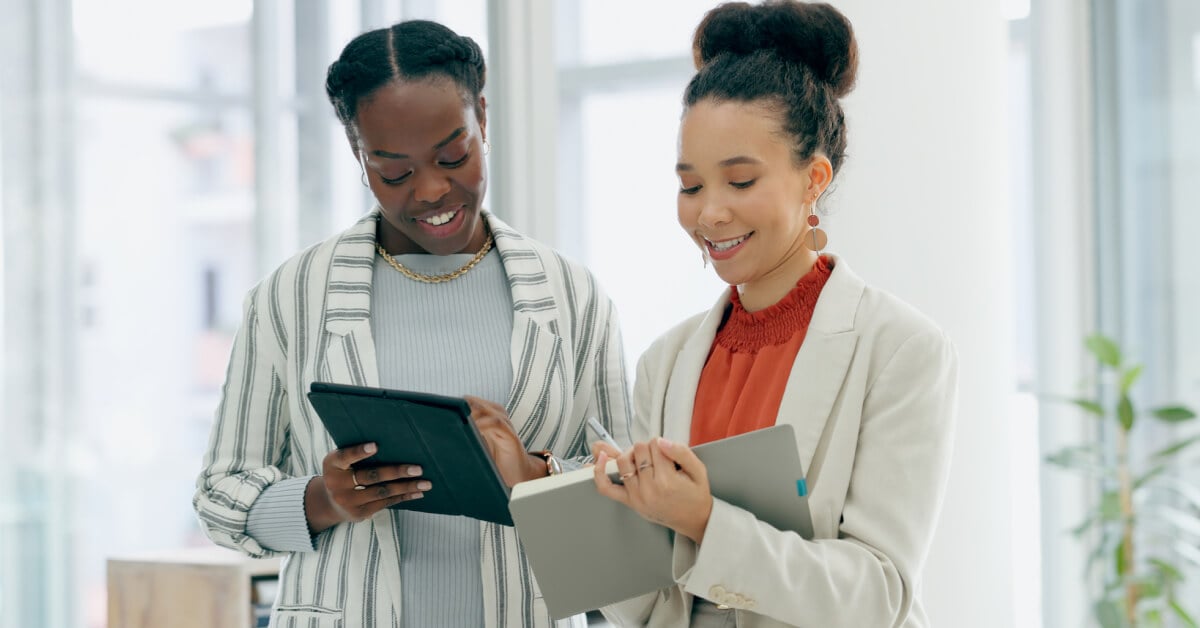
x=732, y=161
x=449, y=138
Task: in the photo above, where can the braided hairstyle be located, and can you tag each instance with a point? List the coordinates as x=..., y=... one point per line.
x=798, y=58
x=407, y=51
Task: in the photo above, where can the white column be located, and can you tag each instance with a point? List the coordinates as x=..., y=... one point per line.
x=522, y=115
x=921, y=210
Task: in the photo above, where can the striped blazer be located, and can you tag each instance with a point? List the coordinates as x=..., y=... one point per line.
x=310, y=321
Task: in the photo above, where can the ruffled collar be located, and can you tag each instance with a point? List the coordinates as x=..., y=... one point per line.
x=750, y=332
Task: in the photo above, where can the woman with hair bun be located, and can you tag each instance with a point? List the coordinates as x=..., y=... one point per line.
x=427, y=292
x=866, y=381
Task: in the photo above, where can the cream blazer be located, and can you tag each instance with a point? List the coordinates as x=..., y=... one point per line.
x=311, y=321
x=871, y=396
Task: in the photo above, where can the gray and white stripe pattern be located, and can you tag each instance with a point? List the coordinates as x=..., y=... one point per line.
x=310, y=321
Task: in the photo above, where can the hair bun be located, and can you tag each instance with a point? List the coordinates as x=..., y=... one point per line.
x=815, y=35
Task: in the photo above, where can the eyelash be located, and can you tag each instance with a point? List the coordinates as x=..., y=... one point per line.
x=444, y=164
x=740, y=185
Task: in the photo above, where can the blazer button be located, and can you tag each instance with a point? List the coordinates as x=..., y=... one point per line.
x=716, y=593
x=722, y=607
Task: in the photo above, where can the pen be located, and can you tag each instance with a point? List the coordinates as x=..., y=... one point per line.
x=603, y=433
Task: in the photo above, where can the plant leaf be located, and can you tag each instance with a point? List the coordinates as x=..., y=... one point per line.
x=1108, y=613
x=1153, y=619
x=1182, y=614
x=1077, y=457
x=1149, y=589
x=1125, y=412
x=1149, y=475
x=1089, y=406
x=1188, y=551
x=1182, y=519
x=1173, y=414
x=1081, y=529
x=1104, y=349
x=1176, y=447
x=1129, y=377
x=1119, y=559
x=1110, y=506
x=1167, y=571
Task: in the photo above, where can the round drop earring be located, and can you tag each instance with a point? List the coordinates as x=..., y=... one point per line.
x=816, y=239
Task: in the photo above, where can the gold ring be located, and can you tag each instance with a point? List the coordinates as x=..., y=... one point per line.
x=643, y=465
x=354, y=478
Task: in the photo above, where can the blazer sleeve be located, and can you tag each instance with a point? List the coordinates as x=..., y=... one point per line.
x=867, y=576
x=247, y=443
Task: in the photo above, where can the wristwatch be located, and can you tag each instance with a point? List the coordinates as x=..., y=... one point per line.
x=553, y=464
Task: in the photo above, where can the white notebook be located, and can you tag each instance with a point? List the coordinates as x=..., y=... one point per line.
x=588, y=551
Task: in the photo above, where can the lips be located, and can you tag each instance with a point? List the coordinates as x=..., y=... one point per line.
x=726, y=248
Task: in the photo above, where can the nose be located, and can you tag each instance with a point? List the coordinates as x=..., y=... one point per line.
x=429, y=186
x=713, y=213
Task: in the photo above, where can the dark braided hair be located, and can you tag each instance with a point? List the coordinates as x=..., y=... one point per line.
x=800, y=58
x=407, y=51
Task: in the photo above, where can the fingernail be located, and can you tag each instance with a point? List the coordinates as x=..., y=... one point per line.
x=424, y=485
x=414, y=470
x=370, y=448
x=665, y=444
x=416, y=495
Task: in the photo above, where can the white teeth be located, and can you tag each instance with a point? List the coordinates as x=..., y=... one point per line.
x=728, y=244
x=440, y=219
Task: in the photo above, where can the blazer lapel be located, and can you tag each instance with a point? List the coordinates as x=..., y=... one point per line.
x=539, y=389
x=821, y=365
x=350, y=352
x=685, y=375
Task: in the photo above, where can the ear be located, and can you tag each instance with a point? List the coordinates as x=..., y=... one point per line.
x=820, y=174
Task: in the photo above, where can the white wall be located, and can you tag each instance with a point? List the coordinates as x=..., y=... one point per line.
x=921, y=210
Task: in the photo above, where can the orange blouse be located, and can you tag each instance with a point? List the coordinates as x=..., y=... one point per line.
x=751, y=359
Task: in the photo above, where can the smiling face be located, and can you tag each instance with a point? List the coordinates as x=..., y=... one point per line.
x=743, y=198
x=421, y=147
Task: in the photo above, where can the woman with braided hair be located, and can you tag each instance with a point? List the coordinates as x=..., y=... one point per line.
x=427, y=292
x=866, y=382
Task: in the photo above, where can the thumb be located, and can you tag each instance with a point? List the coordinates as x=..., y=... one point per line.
x=682, y=456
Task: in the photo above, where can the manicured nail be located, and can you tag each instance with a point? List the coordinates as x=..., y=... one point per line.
x=416, y=495
x=424, y=485
x=414, y=470
x=665, y=444
x=370, y=448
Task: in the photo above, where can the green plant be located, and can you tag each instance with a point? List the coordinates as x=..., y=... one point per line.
x=1144, y=502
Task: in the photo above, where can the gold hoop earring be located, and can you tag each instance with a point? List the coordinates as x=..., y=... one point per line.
x=364, y=180
x=487, y=147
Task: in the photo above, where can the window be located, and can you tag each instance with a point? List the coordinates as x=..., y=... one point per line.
x=619, y=116
x=158, y=160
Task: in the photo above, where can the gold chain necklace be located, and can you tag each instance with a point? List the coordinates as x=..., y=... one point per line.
x=450, y=276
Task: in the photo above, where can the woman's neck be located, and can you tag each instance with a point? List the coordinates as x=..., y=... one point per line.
x=772, y=287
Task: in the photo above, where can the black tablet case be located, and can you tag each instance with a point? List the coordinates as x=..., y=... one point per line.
x=433, y=431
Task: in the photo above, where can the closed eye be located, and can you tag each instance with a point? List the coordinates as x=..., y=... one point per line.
x=455, y=164
x=690, y=191
x=398, y=180
x=741, y=185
